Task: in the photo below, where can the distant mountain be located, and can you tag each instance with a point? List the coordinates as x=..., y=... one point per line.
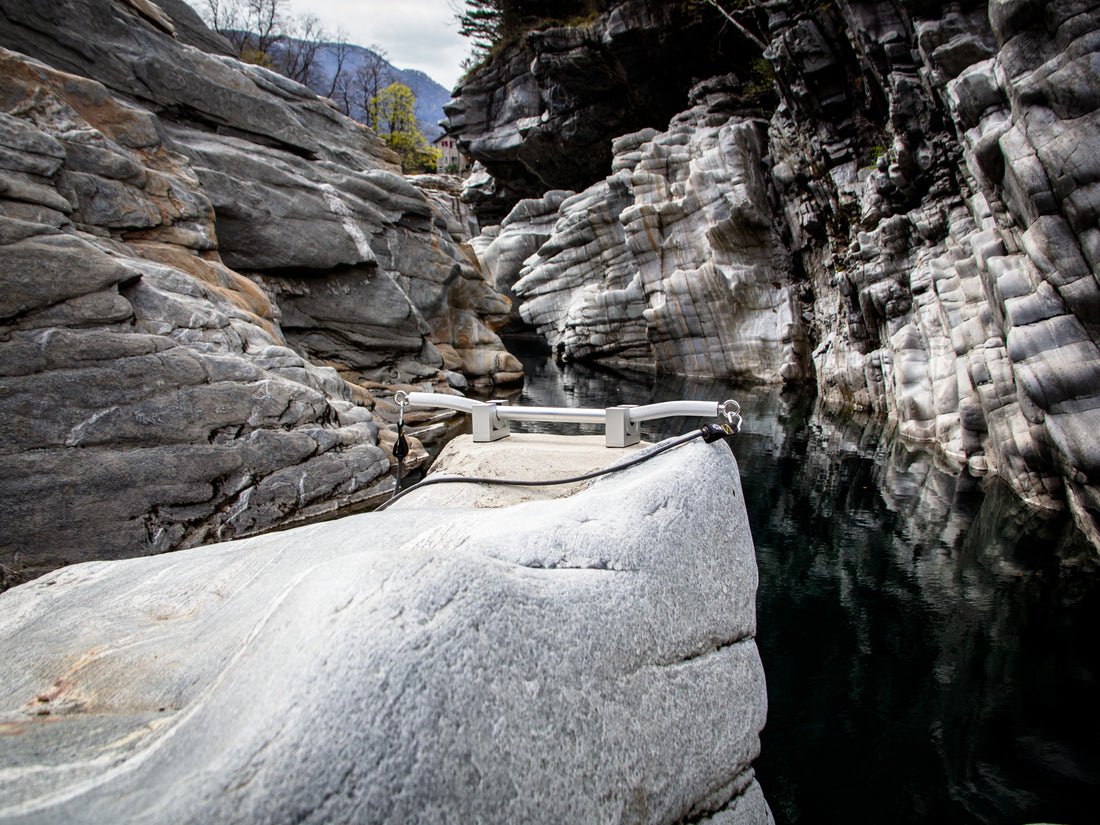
x=430, y=99
x=430, y=96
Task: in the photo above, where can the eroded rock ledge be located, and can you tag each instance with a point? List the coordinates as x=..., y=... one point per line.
x=539, y=115
x=672, y=263
x=212, y=285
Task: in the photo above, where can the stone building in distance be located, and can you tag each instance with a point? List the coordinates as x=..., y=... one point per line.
x=452, y=161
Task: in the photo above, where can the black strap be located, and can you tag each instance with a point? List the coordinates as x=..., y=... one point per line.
x=400, y=450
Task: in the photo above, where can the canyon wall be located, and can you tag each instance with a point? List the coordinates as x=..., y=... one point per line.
x=911, y=225
x=213, y=283
x=538, y=113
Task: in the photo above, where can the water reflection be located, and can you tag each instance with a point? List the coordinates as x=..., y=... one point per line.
x=928, y=641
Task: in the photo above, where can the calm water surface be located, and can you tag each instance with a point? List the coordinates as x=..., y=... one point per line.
x=930, y=645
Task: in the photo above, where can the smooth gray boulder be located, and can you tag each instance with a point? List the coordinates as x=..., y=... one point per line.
x=583, y=659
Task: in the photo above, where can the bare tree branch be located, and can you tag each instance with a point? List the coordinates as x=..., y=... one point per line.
x=300, y=48
x=341, y=54
x=738, y=26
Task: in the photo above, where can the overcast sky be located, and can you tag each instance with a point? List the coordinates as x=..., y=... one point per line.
x=415, y=34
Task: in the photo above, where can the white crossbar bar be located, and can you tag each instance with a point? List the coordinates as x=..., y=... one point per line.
x=620, y=423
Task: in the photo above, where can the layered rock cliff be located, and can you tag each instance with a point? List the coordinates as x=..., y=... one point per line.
x=212, y=283
x=658, y=265
x=964, y=302
x=539, y=113
x=913, y=227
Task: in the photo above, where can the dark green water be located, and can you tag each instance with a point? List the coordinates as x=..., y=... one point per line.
x=929, y=643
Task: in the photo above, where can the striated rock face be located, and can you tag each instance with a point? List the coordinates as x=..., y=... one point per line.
x=465, y=669
x=212, y=283
x=672, y=262
x=920, y=212
x=540, y=114
x=503, y=249
x=955, y=274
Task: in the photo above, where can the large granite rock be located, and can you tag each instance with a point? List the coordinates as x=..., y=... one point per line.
x=212, y=285
x=136, y=56
x=148, y=398
x=582, y=659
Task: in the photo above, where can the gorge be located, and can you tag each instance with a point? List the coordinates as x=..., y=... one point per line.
x=891, y=204
x=214, y=284
x=908, y=228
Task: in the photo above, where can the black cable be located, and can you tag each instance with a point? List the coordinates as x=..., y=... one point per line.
x=510, y=482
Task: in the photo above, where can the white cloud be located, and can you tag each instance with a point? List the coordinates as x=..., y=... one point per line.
x=415, y=34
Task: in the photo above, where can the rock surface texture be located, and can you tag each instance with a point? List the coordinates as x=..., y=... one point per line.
x=539, y=114
x=466, y=669
x=673, y=260
x=212, y=281
x=965, y=301
x=914, y=228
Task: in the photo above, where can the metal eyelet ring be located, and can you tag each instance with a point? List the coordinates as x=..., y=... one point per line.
x=402, y=399
x=731, y=411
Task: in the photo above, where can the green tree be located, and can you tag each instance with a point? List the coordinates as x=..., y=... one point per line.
x=480, y=22
x=487, y=23
x=392, y=114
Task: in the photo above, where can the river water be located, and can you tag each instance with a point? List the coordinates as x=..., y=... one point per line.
x=929, y=643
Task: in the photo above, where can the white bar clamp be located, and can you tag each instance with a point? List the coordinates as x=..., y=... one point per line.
x=486, y=424
x=619, y=430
